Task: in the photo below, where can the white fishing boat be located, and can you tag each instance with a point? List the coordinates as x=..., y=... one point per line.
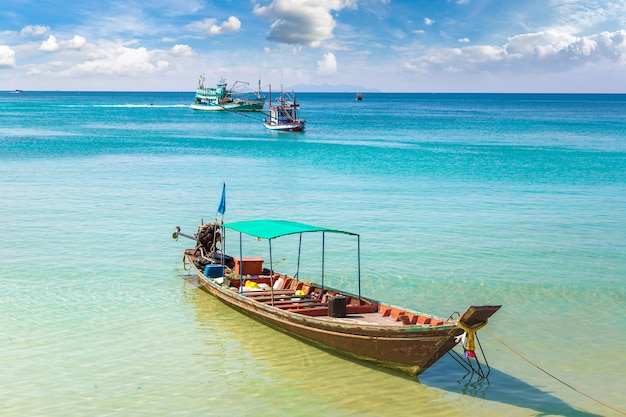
x=283, y=114
x=220, y=98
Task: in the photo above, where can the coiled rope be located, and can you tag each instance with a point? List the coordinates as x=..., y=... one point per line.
x=554, y=377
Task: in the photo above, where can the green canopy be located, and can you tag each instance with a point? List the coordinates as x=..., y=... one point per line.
x=270, y=229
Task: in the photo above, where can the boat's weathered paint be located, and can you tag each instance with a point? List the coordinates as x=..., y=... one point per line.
x=348, y=324
x=408, y=349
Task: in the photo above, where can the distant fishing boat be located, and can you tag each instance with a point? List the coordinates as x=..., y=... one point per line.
x=18, y=91
x=220, y=98
x=284, y=113
x=359, y=96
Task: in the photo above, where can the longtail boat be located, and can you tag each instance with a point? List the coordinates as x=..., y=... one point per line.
x=346, y=323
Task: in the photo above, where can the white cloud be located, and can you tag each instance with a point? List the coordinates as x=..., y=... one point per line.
x=231, y=25
x=428, y=22
x=106, y=59
x=559, y=49
x=50, y=44
x=76, y=42
x=464, y=40
x=547, y=51
x=208, y=26
x=302, y=22
x=181, y=50
x=539, y=43
x=34, y=30
x=327, y=65
x=7, y=57
x=119, y=60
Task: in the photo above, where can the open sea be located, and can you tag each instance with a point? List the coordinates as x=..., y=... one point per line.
x=460, y=199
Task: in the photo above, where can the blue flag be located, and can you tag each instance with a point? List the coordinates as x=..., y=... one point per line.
x=221, y=209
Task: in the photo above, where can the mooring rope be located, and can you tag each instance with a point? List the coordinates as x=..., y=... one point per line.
x=552, y=376
x=240, y=113
x=185, y=264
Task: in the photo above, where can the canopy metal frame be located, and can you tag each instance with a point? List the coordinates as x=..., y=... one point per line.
x=273, y=229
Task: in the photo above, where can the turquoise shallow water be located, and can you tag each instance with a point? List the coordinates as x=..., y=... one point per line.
x=460, y=199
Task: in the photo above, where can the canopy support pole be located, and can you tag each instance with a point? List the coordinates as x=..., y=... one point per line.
x=358, y=253
x=240, y=263
x=271, y=273
x=323, y=252
x=299, y=251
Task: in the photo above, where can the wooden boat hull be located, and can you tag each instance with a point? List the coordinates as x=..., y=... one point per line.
x=243, y=106
x=290, y=127
x=408, y=349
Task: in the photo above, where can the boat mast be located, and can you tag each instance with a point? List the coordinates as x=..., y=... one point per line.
x=270, y=102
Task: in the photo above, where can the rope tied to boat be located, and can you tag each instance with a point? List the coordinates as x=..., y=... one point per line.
x=554, y=377
x=186, y=265
x=470, y=335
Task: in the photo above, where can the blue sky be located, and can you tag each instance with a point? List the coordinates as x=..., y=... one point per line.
x=324, y=45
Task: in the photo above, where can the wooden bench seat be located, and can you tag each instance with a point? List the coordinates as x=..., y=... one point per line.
x=311, y=311
x=287, y=300
x=323, y=311
x=300, y=306
x=279, y=297
x=257, y=294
